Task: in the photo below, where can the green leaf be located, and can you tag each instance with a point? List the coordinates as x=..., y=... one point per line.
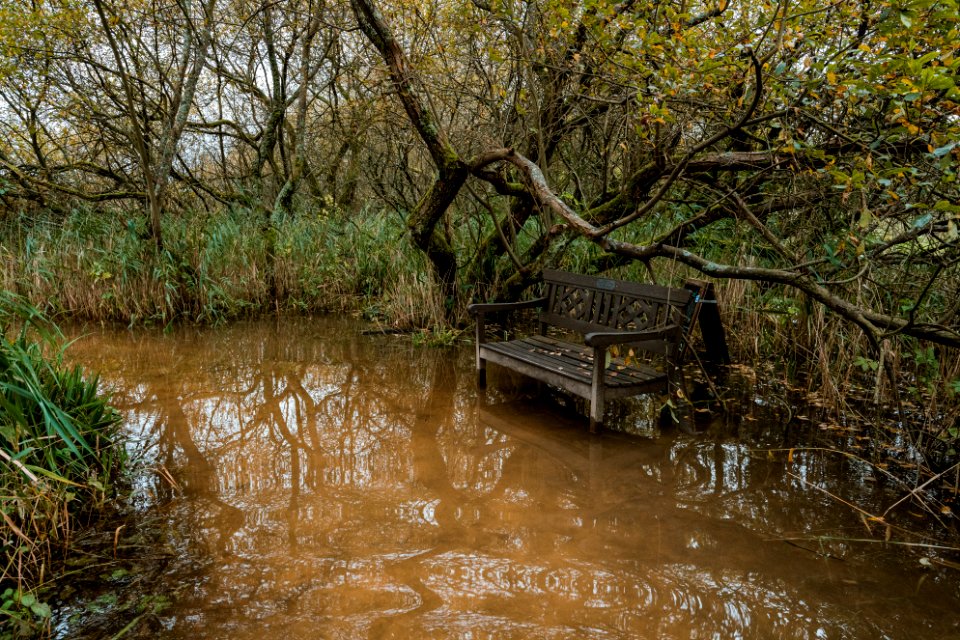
x=922, y=221
x=51, y=475
x=939, y=152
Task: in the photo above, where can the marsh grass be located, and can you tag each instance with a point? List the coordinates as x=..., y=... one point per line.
x=215, y=266
x=61, y=461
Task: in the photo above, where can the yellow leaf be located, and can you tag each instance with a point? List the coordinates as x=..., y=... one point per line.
x=831, y=77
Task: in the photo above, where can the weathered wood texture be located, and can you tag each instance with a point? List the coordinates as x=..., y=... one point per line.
x=604, y=313
x=706, y=313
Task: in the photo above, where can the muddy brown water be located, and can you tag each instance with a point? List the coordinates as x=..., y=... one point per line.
x=337, y=485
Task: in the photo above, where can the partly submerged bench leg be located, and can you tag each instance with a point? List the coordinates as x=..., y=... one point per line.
x=481, y=363
x=596, y=390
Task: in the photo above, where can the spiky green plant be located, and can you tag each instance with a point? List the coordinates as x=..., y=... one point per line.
x=59, y=457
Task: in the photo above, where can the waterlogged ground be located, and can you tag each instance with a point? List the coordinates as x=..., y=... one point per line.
x=308, y=481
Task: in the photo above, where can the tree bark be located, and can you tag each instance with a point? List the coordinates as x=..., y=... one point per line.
x=452, y=172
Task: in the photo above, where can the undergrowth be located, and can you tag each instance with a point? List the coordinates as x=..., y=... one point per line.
x=60, y=461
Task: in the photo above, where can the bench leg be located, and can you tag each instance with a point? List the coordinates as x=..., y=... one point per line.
x=481, y=373
x=596, y=417
x=597, y=389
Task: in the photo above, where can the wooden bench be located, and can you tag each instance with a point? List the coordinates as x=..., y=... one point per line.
x=604, y=312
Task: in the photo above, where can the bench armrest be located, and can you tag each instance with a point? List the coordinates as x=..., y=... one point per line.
x=480, y=308
x=669, y=333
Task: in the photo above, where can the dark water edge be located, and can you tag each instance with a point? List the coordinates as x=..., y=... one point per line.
x=302, y=480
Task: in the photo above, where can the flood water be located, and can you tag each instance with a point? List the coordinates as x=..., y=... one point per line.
x=319, y=483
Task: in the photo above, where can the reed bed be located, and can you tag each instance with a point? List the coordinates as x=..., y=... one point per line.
x=215, y=266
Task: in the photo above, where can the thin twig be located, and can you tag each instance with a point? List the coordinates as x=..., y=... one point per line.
x=912, y=492
x=902, y=543
x=15, y=528
x=19, y=465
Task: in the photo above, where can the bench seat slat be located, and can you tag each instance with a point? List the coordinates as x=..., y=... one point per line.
x=574, y=362
x=619, y=374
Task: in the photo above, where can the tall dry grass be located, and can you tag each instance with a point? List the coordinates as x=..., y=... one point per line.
x=98, y=266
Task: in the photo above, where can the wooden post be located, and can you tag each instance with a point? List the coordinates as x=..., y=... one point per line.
x=706, y=312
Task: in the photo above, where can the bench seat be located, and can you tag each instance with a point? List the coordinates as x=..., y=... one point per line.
x=570, y=366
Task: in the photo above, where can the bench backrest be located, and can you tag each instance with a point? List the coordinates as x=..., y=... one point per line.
x=588, y=303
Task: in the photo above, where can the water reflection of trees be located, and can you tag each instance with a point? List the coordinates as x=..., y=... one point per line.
x=352, y=487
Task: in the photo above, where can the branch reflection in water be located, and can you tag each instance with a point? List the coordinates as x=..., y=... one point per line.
x=339, y=485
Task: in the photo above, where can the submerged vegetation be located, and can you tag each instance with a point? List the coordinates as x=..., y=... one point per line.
x=61, y=460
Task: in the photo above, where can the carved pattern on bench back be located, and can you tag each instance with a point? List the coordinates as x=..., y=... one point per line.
x=597, y=304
